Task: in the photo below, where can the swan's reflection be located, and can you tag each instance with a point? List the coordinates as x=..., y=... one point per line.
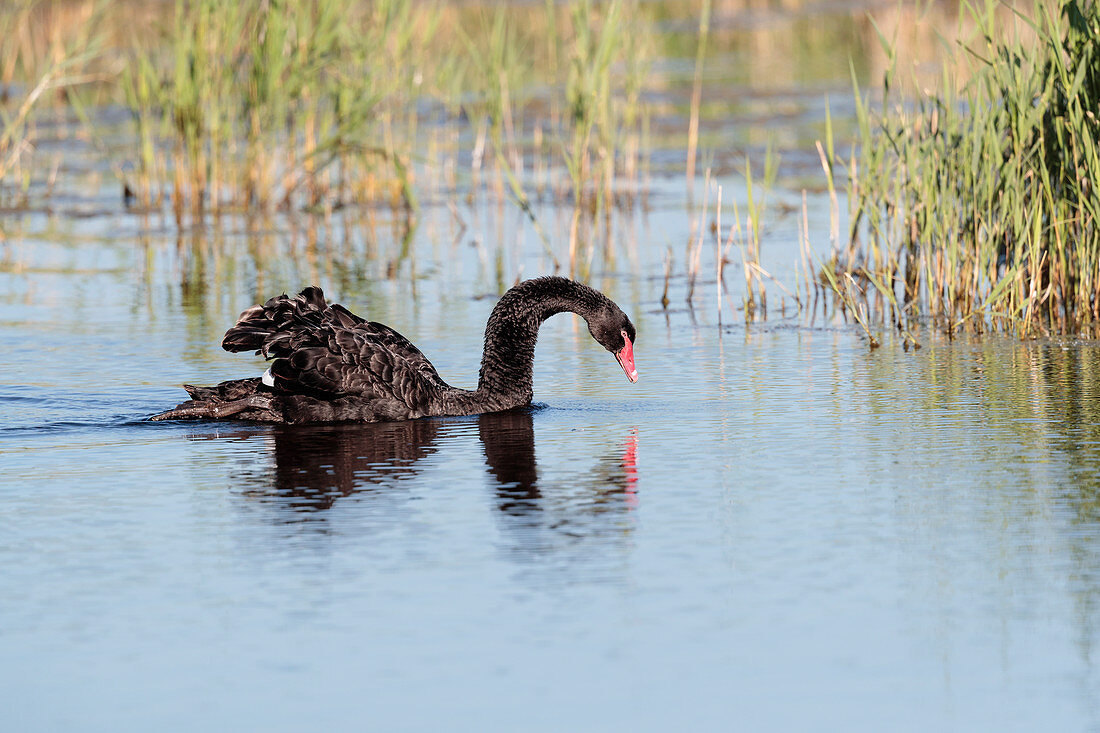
x=314, y=466
x=509, y=441
x=538, y=516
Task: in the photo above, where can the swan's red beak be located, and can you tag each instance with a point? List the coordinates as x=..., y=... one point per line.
x=625, y=357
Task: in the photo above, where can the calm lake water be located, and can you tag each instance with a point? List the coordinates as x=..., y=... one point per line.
x=774, y=529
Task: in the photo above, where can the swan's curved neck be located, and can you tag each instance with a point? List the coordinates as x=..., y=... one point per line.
x=510, y=335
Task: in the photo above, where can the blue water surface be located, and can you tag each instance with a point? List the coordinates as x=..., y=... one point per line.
x=776, y=528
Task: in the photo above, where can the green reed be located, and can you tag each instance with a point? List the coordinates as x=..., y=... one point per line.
x=570, y=95
x=608, y=54
x=498, y=71
x=313, y=104
x=39, y=71
x=978, y=209
x=278, y=104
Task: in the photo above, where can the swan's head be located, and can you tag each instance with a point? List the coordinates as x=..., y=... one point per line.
x=614, y=331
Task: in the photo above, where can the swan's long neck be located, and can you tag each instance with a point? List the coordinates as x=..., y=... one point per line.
x=510, y=335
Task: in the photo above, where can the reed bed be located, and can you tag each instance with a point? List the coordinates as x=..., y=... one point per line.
x=296, y=104
x=275, y=104
x=36, y=69
x=971, y=207
x=977, y=210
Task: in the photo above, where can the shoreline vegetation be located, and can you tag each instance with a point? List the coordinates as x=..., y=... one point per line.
x=308, y=105
x=973, y=207
x=970, y=195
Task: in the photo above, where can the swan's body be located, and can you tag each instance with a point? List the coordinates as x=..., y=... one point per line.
x=330, y=365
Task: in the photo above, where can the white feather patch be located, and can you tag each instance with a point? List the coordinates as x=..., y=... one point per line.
x=268, y=379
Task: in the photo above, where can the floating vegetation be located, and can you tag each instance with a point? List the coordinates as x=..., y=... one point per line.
x=977, y=210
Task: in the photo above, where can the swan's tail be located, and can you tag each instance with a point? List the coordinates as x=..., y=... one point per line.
x=228, y=399
x=265, y=328
x=284, y=323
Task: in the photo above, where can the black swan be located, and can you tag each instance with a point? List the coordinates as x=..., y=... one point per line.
x=330, y=365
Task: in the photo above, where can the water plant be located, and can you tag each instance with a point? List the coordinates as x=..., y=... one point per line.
x=278, y=103
x=314, y=105
x=978, y=210
x=51, y=67
x=571, y=97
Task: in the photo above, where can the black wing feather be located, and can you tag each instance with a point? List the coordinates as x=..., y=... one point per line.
x=329, y=351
